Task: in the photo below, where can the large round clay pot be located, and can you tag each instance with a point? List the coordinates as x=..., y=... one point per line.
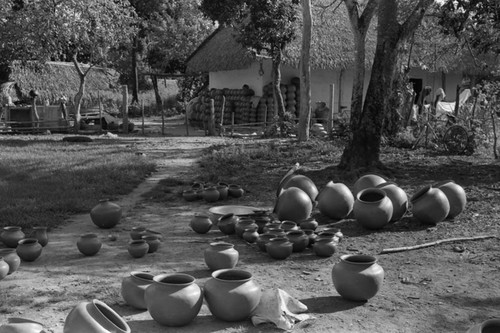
x=302, y=182
x=324, y=247
x=11, y=235
x=279, y=248
x=299, y=240
x=221, y=255
x=133, y=288
x=293, y=204
x=4, y=268
x=372, y=208
x=11, y=258
x=232, y=294
x=40, y=233
x=201, y=223
x=89, y=244
x=367, y=181
x=227, y=223
x=106, y=214
x=21, y=325
x=456, y=197
x=28, y=249
x=173, y=300
x=335, y=201
x=430, y=205
x=357, y=277
x=138, y=248
x=398, y=198
x=210, y=194
x=95, y=317
x=487, y=326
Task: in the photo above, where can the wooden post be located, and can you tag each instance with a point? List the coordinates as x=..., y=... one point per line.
x=142, y=115
x=232, y=124
x=221, y=126
x=457, y=101
x=211, y=121
x=125, y=109
x=100, y=111
x=329, y=123
x=186, y=121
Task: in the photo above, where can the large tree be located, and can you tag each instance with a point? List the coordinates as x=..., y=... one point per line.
x=82, y=32
x=395, y=26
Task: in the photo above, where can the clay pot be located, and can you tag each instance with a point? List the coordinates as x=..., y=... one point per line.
x=271, y=225
x=11, y=235
x=153, y=242
x=227, y=223
x=430, y=205
x=40, y=233
x=251, y=234
x=232, y=294
x=279, y=248
x=324, y=247
x=210, y=194
x=309, y=223
x=28, y=249
x=138, y=248
x=11, y=258
x=289, y=226
x=201, y=223
x=196, y=186
x=133, y=288
x=235, y=191
x=95, y=317
x=89, y=244
x=261, y=222
x=4, y=268
x=106, y=214
x=262, y=241
x=173, y=300
x=456, y=197
x=244, y=223
x=298, y=239
x=311, y=235
x=277, y=232
x=299, y=181
x=223, y=191
x=221, y=255
x=21, y=325
x=398, y=198
x=190, y=195
x=137, y=232
x=293, y=204
x=372, y=208
x=487, y=326
x=367, y=181
x=357, y=277
x=335, y=201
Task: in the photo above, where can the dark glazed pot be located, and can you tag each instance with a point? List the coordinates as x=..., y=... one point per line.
x=89, y=244
x=244, y=223
x=223, y=191
x=11, y=235
x=106, y=214
x=190, y=195
x=372, y=208
x=430, y=205
x=357, y=277
x=173, y=300
x=11, y=258
x=232, y=294
x=251, y=234
x=28, y=249
x=95, y=317
x=133, y=288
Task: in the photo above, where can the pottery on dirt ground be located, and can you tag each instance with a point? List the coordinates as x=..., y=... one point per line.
x=89, y=244
x=430, y=205
x=28, y=249
x=133, y=288
x=372, y=208
x=11, y=235
x=221, y=255
x=201, y=223
x=106, y=214
x=138, y=248
x=11, y=258
x=335, y=200
x=21, y=325
x=456, y=197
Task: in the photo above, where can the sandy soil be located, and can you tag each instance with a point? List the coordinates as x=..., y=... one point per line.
x=437, y=289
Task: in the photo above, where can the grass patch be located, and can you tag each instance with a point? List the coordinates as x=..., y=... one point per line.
x=43, y=181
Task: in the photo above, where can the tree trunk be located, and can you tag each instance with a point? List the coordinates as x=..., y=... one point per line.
x=278, y=98
x=79, y=95
x=305, y=73
x=135, y=76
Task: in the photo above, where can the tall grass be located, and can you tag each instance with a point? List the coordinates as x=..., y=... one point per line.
x=43, y=181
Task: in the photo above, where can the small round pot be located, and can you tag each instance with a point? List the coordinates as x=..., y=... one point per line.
x=210, y=194
x=4, y=268
x=311, y=235
x=201, y=223
x=271, y=225
x=279, y=248
x=261, y=222
x=324, y=247
x=430, y=205
x=372, y=208
x=232, y=294
x=190, y=195
x=309, y=223
x=289, y=225
x=133, y=288
x=251, y=234
x=106, y=214
x=299, y=240
x=227, y=223
x=244, y=223
x=153, y=242
x=137, y=232
x=173, y=300
x=11, y=258
x=263, y=240
x=277, y=232
x=223, y=191
x=357, y=277
x=28, y=249
x=94, y=316
x=11, y=235
x=138, y=248
x=487, y=326
x=235, y=191
x=221, y=255
x=89, y=244
x=456, y=197
x=40, y=233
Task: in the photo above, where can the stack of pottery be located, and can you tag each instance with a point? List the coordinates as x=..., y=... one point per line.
x=94, y=316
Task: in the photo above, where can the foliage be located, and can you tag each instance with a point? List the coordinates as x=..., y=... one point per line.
x=286, y=127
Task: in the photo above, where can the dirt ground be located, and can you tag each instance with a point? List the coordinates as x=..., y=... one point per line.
x=444, y=288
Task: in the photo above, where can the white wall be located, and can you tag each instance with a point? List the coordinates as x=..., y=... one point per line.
x=237, y=78
x=436, y=80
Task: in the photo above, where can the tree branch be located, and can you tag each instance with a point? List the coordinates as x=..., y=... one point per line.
x=441, y=241
x=414, y=18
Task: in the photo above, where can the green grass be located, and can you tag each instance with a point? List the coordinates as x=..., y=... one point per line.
x=44, y=181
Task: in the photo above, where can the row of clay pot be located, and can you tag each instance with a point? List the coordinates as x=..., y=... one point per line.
x=175, y=299
x=11, y=235
x=212, y=193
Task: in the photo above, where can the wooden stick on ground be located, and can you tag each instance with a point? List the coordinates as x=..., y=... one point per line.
x=441, y=241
